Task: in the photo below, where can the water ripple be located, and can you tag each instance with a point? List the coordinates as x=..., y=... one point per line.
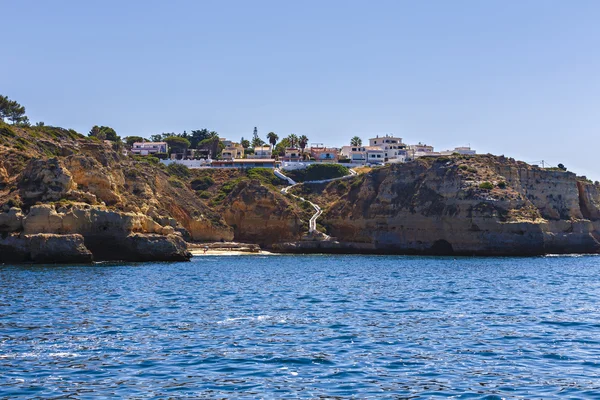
x=303, y=327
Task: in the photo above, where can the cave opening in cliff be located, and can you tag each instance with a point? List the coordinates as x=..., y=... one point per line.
x=442, y=248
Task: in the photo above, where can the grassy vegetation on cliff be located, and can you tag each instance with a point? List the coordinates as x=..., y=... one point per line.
x=318, y=172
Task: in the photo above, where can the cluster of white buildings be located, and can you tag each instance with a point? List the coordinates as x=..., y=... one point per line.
x=391, y=149
x=381, y=150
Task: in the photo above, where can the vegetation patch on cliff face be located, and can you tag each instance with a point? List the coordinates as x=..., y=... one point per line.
x=318, y=172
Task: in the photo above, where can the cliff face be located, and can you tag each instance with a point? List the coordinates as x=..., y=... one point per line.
x=261, y=216
x=467, y=205
x=73, y=198
x=56, y=182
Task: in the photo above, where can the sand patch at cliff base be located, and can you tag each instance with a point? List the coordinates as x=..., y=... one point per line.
x=225, y=252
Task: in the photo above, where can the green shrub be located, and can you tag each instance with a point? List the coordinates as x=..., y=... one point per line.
x=318, y=172
x=264, y=175
x=73, y=134
x=178, y=170
x=202, y=183
x=6, y=131
x=463, y=167
x=306, y=206
x=502, y=185
x=472, y=170
x=203, y=194
x=357, y=182
x=147, y=159
x=486, y=185
x=176, y=183
x=218, y=198
x=342, y=186
x=229, y=186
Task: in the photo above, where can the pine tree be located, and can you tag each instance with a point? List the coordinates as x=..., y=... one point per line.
x=256, y=141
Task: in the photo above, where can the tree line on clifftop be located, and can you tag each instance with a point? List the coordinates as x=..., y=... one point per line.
x=13, y=111
x=204, y=140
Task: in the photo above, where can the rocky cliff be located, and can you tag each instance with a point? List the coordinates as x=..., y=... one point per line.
x=65, y=197
x=101, y=204
x=261, y=216
x=60, y=184
x=483, y=205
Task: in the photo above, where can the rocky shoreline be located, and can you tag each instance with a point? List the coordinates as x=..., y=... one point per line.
x=83, y=234
x=66, y=198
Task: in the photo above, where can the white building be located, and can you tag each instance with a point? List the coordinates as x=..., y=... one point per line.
x=356, y=154
x=262, y=152
x=465, y=150
x=292, y=154
x=324, y=154
x=420, y=150
x=146, y=148
x=394, y=149
x=374, y=154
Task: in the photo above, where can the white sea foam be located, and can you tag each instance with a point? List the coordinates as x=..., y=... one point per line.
x=571, y=255
x=259, y=318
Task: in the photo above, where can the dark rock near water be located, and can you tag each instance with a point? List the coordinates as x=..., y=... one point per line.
x=44, y=248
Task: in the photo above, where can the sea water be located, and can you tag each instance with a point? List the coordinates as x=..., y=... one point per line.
x=303, y=327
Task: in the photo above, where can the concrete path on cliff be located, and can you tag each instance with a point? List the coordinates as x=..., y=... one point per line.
x=312, y=224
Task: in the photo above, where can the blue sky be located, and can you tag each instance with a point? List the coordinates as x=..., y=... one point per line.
x=519, y=78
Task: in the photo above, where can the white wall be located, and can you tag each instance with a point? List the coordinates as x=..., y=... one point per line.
x=291, y=165
x=189, y=163
x=294, y=165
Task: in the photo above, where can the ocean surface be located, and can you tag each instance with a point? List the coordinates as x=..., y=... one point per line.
x=303, y=327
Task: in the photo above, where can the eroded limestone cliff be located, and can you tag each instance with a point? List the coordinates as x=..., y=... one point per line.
x=57, y=182
x=66, y=197
x=467, y=205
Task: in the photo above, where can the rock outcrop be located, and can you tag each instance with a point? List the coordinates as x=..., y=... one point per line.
x=45, y=180
x=481, y=205
x=109, y=235
x=44, y=248
x=11, y=221
x=258, y=215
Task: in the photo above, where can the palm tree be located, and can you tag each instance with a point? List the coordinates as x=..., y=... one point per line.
x=293, y=140
x=356, y=141
x=273, y=138
x=302, y=142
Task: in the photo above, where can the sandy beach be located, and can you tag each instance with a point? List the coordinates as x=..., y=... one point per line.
x=226, y=252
